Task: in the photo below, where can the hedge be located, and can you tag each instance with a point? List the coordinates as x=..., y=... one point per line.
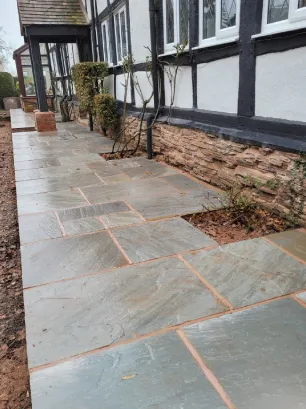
x=7, y=87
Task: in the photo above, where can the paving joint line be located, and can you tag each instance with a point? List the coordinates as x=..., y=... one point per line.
x=210, y=287
x=301, y=302
x=207, y=372
x=79, y=189
x=283, y=250
x=60, y=224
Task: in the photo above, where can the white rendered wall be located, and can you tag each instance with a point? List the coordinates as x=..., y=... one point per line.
x=140, y=29
x=218, y=83
x=101, y=5
x=183, y=93
x=145, y=87
x=120, y=90
x=281, y=85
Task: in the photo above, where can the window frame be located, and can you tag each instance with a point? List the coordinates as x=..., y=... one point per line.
x=221, y=34
x=106, y=42
x=170, y=47
x=296, y=19
x=118, y=12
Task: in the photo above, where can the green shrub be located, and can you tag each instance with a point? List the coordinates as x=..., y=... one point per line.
x=88, y=79
x=105, y=110
x=7, y=87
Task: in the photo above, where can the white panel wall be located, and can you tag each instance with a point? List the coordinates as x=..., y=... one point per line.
x=140, y=29
x=120, y=90
x=218, y=83
x=109, y=84
x=183, y=93
x=281, y=85
x=146, y=89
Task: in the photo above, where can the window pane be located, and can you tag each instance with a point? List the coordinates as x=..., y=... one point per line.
x=228, y=13
x=123, y=34
x=278, y=10
x=184, y=24
x=110, y=48
x=118, y=42
x=302, y=3
x=169, y=21
x=105, y=45
x=209, y=18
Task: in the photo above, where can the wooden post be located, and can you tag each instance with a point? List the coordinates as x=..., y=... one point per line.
x=38, y=75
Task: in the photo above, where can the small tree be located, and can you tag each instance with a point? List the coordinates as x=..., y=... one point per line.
x=88, y=78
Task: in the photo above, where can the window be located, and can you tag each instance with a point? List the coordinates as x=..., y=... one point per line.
x=176, y=24
x=121, y=34
x=280, y=15
x=219, y=20
x=107, y=49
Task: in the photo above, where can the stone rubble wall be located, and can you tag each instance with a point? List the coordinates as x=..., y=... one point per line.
x=223, y=163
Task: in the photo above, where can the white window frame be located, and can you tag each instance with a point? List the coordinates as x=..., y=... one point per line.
x=106, y=42
x=296, y=19
x=170, y=47
x=118, y=12
x=222, y=35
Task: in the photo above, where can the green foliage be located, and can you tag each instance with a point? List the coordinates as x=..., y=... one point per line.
x=7, y=87
x=88, y=79
x=105, y=107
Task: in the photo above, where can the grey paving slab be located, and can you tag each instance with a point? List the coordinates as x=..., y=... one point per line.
x=121, y=219
x=103, y=168
x=38, y=156
x=75, y=316
x=302, y=296
x=293, y=241
x=183, y=183
x=38, y=227
x=120, y=178
x=175, y=203
x=149, y=170
x=72, y=180
x=128, y=190
x=154, y=373
x=53, y=260
x=35, y=164
x=88, y=225
x=81, y=158
x=91, y=211
x=126, y=163
x=159, y=239
x=21, y=119
x=249, y=271
x=258, y=355
x=44, y=202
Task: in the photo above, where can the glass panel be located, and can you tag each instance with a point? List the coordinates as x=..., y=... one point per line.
x=302, y=3
x=118, y=42
x=123, y=34
x=105, y=45
x=228, y=13
x=278, y=10
x=169, y=21
x=110, y=48
x=209, y=18
x=184, y=24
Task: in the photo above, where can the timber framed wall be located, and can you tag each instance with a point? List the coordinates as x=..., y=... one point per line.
x=255, y=83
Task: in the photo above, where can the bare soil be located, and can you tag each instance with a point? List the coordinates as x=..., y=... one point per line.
x=224, y=229
x=14, y=377
x=117, y=155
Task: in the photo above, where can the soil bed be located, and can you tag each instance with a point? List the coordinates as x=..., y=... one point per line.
x=117, y=155
x=14, y=377
x=220, y=225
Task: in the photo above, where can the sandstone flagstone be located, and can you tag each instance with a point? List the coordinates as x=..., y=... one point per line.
x=72, y=317
x=258, y=355
x=69, y=257
x=154, y=373
x=249, y=271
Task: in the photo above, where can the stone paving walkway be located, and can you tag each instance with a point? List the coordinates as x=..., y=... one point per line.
x=130, y=307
